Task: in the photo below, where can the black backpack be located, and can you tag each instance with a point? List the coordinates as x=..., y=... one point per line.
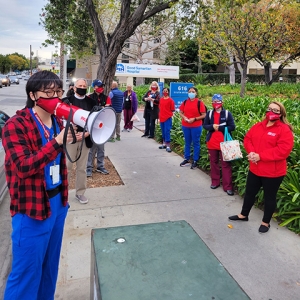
x=198, y=105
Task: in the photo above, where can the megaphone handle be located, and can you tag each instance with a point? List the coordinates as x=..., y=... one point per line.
x=68, y=125
x=73, y=134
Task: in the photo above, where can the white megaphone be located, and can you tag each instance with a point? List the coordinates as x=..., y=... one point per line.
x=101, y=124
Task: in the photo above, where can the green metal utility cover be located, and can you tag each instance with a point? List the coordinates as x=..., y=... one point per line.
x=160, y=261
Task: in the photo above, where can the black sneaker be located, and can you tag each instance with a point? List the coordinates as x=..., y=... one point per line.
x=194, y=165
x=185, y=163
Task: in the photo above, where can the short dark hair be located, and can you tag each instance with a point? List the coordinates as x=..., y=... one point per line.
x=39, y=81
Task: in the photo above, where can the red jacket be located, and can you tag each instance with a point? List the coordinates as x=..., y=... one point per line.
x=25, y=159
x=273, y=144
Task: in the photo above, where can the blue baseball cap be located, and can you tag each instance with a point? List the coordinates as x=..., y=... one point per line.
x=98, y=83
x=217, y=97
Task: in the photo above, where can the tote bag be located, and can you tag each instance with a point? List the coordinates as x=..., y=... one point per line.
x=230, y=148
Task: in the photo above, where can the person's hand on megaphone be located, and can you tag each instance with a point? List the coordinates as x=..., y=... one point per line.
x=60, y=136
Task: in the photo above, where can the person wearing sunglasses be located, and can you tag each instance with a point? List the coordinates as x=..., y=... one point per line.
x=268, y=144
x=36, y=173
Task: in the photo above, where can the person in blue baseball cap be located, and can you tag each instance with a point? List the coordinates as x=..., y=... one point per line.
x=215, y=122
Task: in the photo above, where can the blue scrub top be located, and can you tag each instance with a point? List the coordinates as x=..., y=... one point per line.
x=48, y=178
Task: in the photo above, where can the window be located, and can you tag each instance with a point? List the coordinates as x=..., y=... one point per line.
x=125, y=58
x=156, y=53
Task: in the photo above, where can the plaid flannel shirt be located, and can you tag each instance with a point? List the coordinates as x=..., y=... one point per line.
x=25, y=159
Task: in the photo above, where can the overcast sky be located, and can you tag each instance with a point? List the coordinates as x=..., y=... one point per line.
x=19, y=28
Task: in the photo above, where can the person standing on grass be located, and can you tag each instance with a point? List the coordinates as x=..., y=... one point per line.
x=192, y=112
x=268, y=144
x=166, y=110
x=215, y=123
x=130, y=105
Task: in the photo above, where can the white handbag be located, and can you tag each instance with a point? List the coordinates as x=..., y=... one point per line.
x=230, y=148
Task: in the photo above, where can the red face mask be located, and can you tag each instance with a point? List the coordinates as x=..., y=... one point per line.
x=154, y=87
x=217, y=105
x=272, y=116
x=48, y=104
x=99, y=90
x=165, y=93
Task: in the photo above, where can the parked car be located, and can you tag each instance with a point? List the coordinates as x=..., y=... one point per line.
x=26, y=77
x=20, y=76
x=14, y=80
x=3, y=118
x=5, y=80
x=0, y=84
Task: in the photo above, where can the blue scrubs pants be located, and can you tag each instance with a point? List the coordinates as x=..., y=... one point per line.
x=192, y=135
x=166, y=130
x=36, y=249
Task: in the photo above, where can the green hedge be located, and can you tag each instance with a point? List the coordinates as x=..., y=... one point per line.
x=248, y=111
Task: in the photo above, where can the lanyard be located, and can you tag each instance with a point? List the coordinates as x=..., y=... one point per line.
x=46, y=131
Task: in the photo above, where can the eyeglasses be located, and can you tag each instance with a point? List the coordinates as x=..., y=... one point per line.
x=274, y=110
x=51, y=93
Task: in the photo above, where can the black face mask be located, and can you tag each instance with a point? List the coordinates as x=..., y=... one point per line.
x=80, y=91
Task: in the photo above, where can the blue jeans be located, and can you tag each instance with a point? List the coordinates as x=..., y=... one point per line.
x=192, y=135
x=166, y=130
x=36, y=249
x=99, y=149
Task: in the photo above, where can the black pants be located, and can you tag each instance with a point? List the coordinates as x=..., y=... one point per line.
x=149, y=123
x=270, y=187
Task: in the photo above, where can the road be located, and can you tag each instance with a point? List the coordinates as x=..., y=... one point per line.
x=12, y=98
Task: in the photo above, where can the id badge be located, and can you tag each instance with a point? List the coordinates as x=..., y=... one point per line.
x=54, y=172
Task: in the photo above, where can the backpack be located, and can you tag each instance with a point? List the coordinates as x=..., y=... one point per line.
x=226, y=114
x=198, y=105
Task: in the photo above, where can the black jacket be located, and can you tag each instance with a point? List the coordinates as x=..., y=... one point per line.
x=154, y=110
x=87, y=104
x=224, y=122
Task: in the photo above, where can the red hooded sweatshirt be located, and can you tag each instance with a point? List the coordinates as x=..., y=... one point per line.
x=273, y=144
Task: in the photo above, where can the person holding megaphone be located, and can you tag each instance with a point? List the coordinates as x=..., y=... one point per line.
x=36, y=173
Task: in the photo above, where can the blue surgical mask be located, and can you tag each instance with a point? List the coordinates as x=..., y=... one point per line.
x=191, y=95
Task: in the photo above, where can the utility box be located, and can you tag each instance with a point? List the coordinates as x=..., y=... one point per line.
x=159, y=261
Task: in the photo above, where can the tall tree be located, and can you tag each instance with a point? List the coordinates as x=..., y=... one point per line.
x=110, y=31
x=243, y=33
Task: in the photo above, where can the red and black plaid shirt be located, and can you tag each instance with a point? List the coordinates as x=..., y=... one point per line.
x=25, y=159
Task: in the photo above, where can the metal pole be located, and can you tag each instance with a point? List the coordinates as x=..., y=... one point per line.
x=30, y=62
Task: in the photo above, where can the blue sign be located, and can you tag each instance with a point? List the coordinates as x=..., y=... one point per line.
x=161, y=87
x=120, y=68
x=179, y=92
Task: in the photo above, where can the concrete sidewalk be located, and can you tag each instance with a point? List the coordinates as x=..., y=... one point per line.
x=156, y=189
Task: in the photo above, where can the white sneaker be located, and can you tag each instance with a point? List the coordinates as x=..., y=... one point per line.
x=128, y=130
x=82, y=199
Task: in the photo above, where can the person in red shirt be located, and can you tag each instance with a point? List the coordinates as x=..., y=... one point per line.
x=215, y=123
x=268, y=144
x=192, y=114
x=36, y=175
x=166, y=109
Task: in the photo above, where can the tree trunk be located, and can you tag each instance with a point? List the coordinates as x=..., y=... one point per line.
x=231, y=70
x=268, y=72
x=243, y=80
x=61, y=61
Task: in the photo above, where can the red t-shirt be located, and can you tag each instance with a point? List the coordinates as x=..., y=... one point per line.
x=217, y=136
x=166, y=108
x=190, y=110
